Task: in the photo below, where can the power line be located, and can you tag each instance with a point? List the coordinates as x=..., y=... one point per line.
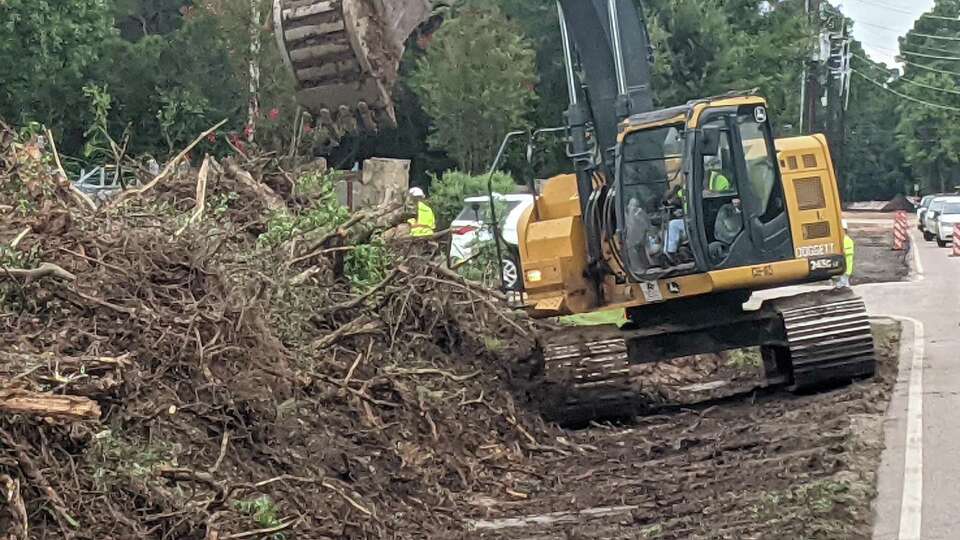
x=921, y=66
x=931, y=36
x=928, y=68
x=880, y=26
x=885, y=6
x=905, y=96
x=909, y=81
x=867, y=44
x=937, y=49
x=940, y=17
x=934, y=57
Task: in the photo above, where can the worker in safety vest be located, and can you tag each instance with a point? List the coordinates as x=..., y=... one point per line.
x=426, y=223
x=848, y=252
x=717, y=182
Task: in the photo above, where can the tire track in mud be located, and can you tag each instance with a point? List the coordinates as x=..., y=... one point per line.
x=770, y=465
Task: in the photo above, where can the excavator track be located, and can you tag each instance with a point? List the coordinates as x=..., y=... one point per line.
x=587, y=375
x=344, y=55
x=829, y=343
x=818, y=340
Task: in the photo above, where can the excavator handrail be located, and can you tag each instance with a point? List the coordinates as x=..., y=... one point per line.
x=493, y=204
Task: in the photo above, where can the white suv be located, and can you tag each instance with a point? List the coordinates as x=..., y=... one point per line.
x=941, y=218
x=472, y=226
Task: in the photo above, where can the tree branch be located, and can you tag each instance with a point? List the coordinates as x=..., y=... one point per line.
x=42, y=271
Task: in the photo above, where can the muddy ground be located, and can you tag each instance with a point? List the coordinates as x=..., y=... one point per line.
x=767, y=465
x=199, y=360
x=875, y=260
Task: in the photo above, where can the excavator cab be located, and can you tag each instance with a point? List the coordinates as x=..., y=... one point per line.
x=698, y=189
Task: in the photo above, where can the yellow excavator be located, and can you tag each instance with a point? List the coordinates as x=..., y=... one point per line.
x=674, y=216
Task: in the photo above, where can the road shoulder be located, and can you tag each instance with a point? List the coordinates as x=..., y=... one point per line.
x=890, y=481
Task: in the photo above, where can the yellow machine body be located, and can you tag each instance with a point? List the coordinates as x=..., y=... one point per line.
x=553, y=248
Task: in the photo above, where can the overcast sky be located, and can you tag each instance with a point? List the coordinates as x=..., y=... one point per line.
x=878, y=23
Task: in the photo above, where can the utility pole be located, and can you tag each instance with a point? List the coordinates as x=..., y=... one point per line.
x=810, y=91
x=837, y=91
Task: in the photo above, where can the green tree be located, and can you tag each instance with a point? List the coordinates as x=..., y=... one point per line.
x=448, y=191
x=473, y=98
x=929, y=135
x=48, y=49
x=873, y=167
x=707, y=47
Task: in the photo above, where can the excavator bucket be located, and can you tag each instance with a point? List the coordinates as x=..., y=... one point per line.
x=345, y=55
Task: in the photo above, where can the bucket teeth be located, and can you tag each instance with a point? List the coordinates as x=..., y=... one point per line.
x=367, y=117
x=345, y=56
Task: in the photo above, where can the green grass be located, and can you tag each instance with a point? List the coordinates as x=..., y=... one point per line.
x=612, y=316
x=824, y=506
x=744, y=358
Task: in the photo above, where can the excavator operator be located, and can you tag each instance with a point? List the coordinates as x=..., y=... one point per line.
x=676, y=202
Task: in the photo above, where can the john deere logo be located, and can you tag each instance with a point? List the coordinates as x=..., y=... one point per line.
x=760, y=114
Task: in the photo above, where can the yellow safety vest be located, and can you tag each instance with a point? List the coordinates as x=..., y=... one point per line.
x=426, y=222
x=848, y=249
x=718, y=182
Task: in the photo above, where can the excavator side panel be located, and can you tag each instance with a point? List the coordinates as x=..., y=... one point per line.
x=810, y=186
x=553, y=251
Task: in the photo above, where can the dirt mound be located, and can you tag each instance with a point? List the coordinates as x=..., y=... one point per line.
x=202, y=357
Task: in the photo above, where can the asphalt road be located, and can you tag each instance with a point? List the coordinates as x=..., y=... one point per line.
x=919, y=479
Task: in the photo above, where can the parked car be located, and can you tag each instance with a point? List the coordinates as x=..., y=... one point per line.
x=471, y=227
x=931, y=215
x=922, y=209
x=945, y=218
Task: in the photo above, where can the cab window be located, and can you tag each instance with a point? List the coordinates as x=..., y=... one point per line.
x=719, y=171
x=760, y=165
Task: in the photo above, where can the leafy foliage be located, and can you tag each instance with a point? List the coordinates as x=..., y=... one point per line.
x=448, y=191
x=264, y=513
x=474, y=99
x=167, y=69
x=324, y=212
x=929, y=136
x=366, y=265
x=49, y=49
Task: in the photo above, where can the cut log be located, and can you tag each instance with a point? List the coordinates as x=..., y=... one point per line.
x=18, y=401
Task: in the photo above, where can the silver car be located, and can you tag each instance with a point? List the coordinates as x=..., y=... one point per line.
x=945, y=217
x=921, y=210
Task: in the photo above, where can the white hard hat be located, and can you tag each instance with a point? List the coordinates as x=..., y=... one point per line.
x=843, y=223
x=417, y=192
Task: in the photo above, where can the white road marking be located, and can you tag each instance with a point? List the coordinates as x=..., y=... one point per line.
x=911, y=505
x=917, y=261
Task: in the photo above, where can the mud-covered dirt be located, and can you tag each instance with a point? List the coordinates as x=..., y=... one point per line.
x=875, y=260
x=769, y=465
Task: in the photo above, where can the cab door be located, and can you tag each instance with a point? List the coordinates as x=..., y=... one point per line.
x=743, y=216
